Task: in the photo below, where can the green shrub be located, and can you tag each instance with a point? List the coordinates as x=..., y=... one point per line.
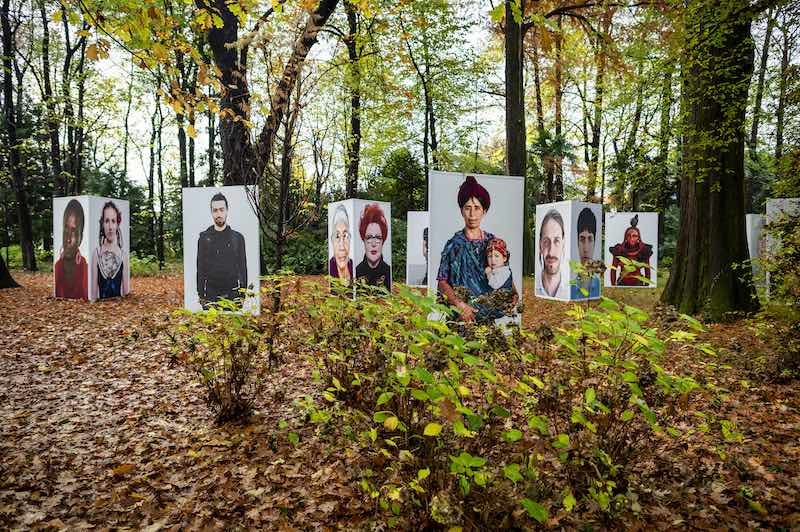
x=455, y=427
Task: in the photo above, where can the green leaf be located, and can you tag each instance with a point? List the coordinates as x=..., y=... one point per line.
x=561, y=441
x=432, y=429
x=539, y=423
x=512, y=435
x=535, y=510
x=422, y=474
x=498, y=13
x=391, y=422
x=590, y=396
x=627, y=415
x=569, y=500
x=385, y=397
x=419, y=395
x=294, y=438
x=511, y=472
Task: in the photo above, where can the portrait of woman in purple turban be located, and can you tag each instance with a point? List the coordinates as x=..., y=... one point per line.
x=464, y=257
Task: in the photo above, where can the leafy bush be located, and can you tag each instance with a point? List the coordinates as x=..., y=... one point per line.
x=145, y=266
x=232, y=353
x=456, y=427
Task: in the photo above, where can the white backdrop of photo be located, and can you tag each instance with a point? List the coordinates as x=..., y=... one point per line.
x=64, y=287
x=558, y=259
x=241, y=217
x=503, y=219
x=617, y=224
x=416, y=262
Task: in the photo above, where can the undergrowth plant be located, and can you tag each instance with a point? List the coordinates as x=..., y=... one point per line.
x=231, y=352
x=455, y=428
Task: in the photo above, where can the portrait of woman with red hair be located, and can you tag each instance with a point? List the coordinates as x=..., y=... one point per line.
x=637, y=254
x=374, y=231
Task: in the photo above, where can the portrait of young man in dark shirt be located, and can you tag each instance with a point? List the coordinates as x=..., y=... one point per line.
x=221, y=258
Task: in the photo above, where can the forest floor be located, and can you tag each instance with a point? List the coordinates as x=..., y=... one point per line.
x=98, y=430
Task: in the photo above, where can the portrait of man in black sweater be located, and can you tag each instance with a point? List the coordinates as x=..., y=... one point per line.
x=221, y=258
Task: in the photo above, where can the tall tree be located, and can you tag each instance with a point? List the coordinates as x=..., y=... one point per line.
x=711, y=247
x=516, y=140
x=12, y=138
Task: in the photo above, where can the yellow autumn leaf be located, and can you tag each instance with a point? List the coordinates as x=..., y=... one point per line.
x=91, y=52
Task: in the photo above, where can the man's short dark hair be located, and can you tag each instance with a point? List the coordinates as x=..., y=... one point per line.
x=74, y=208
x=587, y=221
x=554, y=215
x=425, y=234
x=219, y=197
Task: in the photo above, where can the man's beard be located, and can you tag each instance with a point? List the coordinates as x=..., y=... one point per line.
x=552, y=269
x=220, y=223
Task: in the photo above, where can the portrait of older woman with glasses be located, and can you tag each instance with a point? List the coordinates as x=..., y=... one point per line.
x=374, y=231
x=340, y=264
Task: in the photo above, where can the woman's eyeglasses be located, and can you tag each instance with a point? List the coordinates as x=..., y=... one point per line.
x=373, y=239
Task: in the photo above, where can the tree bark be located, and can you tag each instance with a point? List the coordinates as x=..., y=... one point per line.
x=558, y=66
x=664, y=190
x=14, y=163
x=599, y=87
x=516, y=152
x=59, y=184
x=354, y=85
x=712, y=245
x=238, y=157
x=162, y=204
x=782, y=84
x=151, y=178
x=6, y=280
x=753, y=143
x=212, y=148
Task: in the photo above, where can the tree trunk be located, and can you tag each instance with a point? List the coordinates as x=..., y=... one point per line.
x=6, y=280
x=664, y=188
x=516, y=153
x=59, y=184
x=781, y=111
x=162, y=204
x=712, y=246
x=558, y=66
x=212, y=151
x=151, y=178
x=280, y=97
x=353, y=154
x=182, y=150
x=80, y=132
x=753, y=144
x=238, y=157
x=762, y=71
x=546, y=156
x=126, y=125
x=14, y=163
x=191, y=161
x=599, y=87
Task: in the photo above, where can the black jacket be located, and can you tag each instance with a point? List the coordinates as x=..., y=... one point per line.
x=221, y=264
x=382, y=274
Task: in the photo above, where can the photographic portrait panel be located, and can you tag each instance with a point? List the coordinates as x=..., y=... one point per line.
x=631, y=236
x=372, y=242
x=221, y=246
x=340, y=240
x=417, y=248
x=586, y=248
x=486, y=271
x=109, y=238
x=71, y=247
x=552, y=250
